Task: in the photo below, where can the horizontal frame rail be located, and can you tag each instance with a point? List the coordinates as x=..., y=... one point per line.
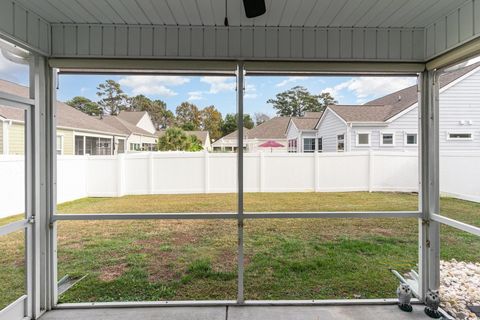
x=456, y=224
x=211, y=303
x=15, y=310
x=232, y=215
x=11, y=100
x=13, y=226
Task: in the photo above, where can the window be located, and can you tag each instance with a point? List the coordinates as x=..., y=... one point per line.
x=411, y=139
x=363, y=139
x=135, y=147
x=460, y=136
x=387, y=139
x=93, y=145
x=341, y=142
x=149, y=147
x=60, y=145
x=320, y=144
x=292, y=145
x=79, y=145
x=309, y=145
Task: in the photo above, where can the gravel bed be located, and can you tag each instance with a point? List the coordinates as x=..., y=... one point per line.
x=459, y=287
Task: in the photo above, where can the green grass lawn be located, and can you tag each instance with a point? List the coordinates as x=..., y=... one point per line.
x=284, y=258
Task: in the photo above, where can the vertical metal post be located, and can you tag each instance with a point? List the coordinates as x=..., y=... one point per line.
x=429, y=197
x=51, y=162
x=33, y=188
x=40, y=146
x=240, y=88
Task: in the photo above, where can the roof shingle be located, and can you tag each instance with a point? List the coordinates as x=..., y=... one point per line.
x=388, y=106
x=67, y=117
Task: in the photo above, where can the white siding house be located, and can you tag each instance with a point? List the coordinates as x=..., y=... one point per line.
x=301, y=133
x=333, y=126
x=391, y=122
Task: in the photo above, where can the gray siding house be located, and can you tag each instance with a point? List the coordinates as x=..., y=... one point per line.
x=391, y=122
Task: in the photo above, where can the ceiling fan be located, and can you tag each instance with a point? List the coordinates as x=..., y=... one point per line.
x=253, y=8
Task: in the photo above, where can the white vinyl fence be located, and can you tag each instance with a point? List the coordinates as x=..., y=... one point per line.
x=199, y=172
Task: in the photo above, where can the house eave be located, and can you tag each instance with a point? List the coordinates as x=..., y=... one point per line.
x=367, y=124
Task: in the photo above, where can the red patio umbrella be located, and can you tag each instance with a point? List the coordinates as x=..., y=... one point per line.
x=271, y=144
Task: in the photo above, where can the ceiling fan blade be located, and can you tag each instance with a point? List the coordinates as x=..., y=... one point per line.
x=254, y=8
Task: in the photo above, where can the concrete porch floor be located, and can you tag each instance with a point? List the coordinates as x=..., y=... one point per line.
x=364, y=312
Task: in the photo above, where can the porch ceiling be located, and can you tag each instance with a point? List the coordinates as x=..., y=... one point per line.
x=291, y=30
x=298, y=13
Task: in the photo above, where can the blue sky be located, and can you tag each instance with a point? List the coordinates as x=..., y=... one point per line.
x=217, y=91
x=220, y=91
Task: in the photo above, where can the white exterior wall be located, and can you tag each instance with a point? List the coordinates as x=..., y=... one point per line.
x=407, y=123
x=133, y=138
x=294, y=133
x=461, y=103
x=146, y=124
x=331, y=126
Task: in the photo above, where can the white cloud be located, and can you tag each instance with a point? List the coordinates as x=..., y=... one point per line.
x=366, y=88
x=219, y=84
x=153, y=85
x=195, y=95
x=290, y=80
x=13, y=71
x=250, y=92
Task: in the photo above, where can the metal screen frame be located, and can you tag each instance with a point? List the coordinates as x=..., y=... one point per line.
x=240, y=215
x=41, y=218
x=22, y=307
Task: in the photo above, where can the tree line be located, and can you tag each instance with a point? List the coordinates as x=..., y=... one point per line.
x=188, y=117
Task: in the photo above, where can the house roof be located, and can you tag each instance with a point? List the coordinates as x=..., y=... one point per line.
x=201, y=135
x=362, y=113
x=313, y=114
x=386, y=107
x=233, y=135
x=271, y=129
x=132, y=117
x=304, y=123
x=67, y=117
x=125, y=126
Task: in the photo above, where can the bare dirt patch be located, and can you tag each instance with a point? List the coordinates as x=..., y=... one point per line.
x=110, y=273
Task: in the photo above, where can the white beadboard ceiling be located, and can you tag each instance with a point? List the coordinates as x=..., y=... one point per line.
x=280, y=13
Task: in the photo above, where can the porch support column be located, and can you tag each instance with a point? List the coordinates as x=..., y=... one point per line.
x=429, y=199
x=40, y=150
x=240, y=88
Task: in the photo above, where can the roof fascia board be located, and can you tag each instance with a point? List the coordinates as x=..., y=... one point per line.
x=405, y=111
x=367, y=124
x=466, y=75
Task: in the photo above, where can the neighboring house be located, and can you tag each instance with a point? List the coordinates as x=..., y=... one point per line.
x=77, y=132
x=203, y=136
x=271, y=130
x=138, y=127
x=391, y=122
x=301, y=133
